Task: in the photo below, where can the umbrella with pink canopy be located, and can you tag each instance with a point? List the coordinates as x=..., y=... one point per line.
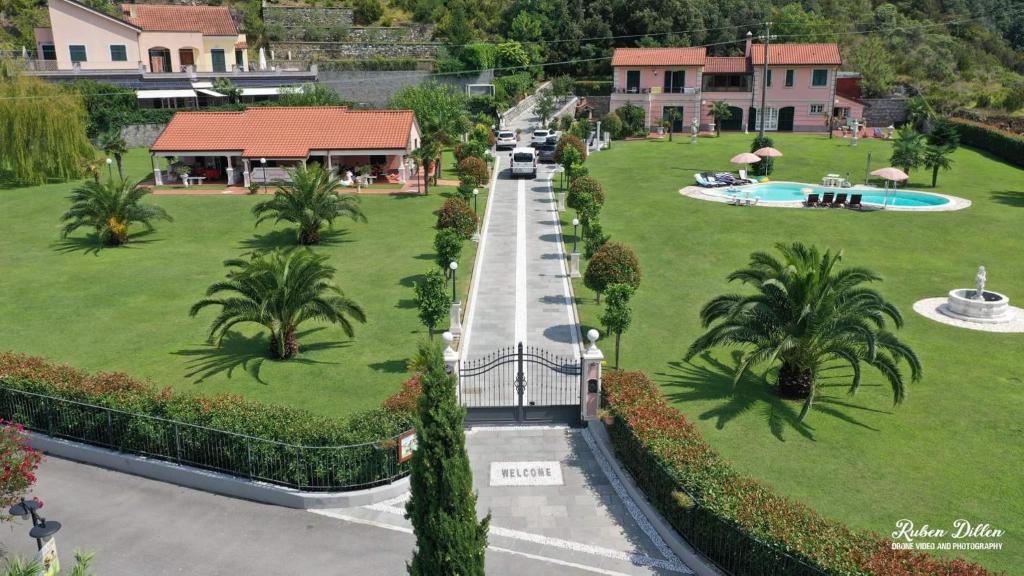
x=745, y=158
x=767, y=152
x=889, y=174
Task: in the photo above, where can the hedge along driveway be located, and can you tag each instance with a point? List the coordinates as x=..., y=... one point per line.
x=127, y=309
x=952, y=449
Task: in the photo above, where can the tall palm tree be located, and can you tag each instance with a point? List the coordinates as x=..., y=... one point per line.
x=279, y=291
x=806, y=313
x=110, y=208
x=114, y=145
x=720, y=112
x=309, y=199
x=426, y=156
x=907, y=148
x=936, y=158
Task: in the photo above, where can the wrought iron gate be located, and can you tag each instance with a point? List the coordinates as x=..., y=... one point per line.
x=520, y=384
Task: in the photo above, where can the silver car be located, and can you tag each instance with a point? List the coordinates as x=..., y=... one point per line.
x=506, y=140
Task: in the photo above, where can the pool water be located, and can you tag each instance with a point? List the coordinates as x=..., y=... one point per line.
x=794, y=192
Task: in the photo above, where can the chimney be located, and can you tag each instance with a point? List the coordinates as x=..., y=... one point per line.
x=750, y=39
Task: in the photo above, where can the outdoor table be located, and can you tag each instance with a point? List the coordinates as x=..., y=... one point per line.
x=196, y=179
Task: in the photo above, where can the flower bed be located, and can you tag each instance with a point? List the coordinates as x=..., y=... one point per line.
x=228, y=433
x=738, y=522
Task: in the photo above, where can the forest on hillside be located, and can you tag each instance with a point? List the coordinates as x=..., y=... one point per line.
x=958, y=53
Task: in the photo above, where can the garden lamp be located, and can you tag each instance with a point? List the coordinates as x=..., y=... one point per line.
x=575, y=224
x=263, y=164
x=453, y=265
x=110, y=172
x=476, y=192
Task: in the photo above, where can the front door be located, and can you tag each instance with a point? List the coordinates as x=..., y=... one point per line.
x=219, y=64
x=677, y=121
x=632, y=81
x=186, y=57
x=734, y=121
x=786, y=119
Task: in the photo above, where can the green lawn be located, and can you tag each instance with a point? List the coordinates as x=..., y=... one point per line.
x=954, y=449
x=126, y=309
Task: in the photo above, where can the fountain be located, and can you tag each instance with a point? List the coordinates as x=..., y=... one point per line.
x=978, y=305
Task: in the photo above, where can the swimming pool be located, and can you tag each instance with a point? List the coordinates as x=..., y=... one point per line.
x=797, y=192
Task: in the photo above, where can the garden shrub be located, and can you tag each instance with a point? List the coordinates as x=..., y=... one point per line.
x=613, y=263
x=766, y=165
x=367, y=11
x=570, y=140
x=612, y=124
x=18, y=464
x=473, y=167
x=211, y=416
x=483, y=135
x=469, y=149
x=1004, y=145
x=585, y=185
x=466, y=186
x=406, y=400
x=458, y=215
x=447, y=247
x=634, y=120
x=736, y=521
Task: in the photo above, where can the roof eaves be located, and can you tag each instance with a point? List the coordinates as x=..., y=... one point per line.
x=104, y=15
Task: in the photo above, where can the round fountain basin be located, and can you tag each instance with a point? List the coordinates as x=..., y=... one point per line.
x=992, y=308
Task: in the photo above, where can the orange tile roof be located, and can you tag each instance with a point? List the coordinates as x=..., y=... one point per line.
x=286, y=132
x=726, y=65
x=209, y=20
x=797, y=54
x=659, y=56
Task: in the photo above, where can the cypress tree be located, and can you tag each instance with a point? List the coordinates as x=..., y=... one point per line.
x=450, y=541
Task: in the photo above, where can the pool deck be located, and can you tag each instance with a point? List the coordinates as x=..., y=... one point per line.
x=716, y=195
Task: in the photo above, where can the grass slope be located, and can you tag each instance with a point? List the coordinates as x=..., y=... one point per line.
x=953, y=449
x=126, y=309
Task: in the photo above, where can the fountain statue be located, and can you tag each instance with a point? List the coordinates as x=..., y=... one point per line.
x=978, y=305
x=979, y=283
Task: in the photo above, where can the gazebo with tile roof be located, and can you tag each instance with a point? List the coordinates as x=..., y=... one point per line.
x=287, y=136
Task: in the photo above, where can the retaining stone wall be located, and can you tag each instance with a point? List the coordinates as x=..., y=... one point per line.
x=375, y=89
x=882, y=112
x=353, y=50
x=141, y=135
x=301, y=16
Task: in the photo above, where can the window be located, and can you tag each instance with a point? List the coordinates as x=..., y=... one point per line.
x=817, y=108
x=771, y=116
x=843, y=112
x=118, y=53
x=48, y=51
x=769, y=84
x=675, y=80
x=789, y=77
x=239, y=61
x=77, y=52
x=632, y=80
x=819, y=77
x=217, y=56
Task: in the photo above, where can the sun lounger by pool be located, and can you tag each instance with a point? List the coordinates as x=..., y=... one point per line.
x=855, y=202
x=699, y=177
x=811, y=201
x=840, y=200
x=828, y=199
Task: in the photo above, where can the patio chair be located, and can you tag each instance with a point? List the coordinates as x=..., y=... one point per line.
x=811, y=201
x=828, y=199
x=699, y=177
x=840, y=200
x=855, y=202
x=743, y=176
x=878, y=133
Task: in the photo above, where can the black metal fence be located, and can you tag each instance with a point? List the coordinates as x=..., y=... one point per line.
x=726, y=544
x=312, y=468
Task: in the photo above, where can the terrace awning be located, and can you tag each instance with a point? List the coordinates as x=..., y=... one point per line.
x=150, y=94
x=213, y=93
x=261, y=91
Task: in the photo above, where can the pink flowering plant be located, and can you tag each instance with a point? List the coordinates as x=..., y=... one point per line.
x=19, y=464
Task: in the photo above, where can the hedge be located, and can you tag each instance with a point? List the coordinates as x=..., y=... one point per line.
x=736, y=521
x=1004, y=145
x=376, y=64
x=593, y=87
x=223, y=432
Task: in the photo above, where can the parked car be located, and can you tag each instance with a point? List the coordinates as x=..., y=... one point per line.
x=540, y=136
x=554, y=138
x=506, y=140
x=546, y=153
x=524, y=162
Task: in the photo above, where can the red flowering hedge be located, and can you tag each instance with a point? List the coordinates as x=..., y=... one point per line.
x=737, y=521
x=406, y=400
x=18, y=461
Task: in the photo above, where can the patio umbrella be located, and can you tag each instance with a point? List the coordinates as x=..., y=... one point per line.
x=767, y=152
x=745, y=158
x=889, y=174
x=263, y=59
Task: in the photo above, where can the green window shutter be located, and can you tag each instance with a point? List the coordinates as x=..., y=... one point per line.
x=118, y=53
x=218, y=60
x=77, y=52
x=789, y=78
x=819, y=77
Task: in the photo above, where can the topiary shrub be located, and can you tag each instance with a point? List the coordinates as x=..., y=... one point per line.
x=457, y=214
x=613, y=125
x=475, y=168
x=584, y=185
x=471, y=149
x=483, y=135
x=766, y=165
x=367, y=11
x=570, y=140
x=613, y=263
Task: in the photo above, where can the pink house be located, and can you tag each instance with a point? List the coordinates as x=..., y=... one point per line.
x=801, y=86
x=150, y=38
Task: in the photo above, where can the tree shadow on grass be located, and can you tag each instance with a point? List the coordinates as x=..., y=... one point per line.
x=711, y=379
x=245, y=353
x=396, y=366
x=286, y=238
x=1013, y=198
x=91, y=244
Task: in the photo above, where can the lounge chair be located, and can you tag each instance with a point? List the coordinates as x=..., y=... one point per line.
x=828, y=199
x=811, y=201
x=699, y=177
x=855, y=202
x=878, y=133
x=840, y=200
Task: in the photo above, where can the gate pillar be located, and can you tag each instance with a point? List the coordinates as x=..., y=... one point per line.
x=451, y=357
x=590, y=378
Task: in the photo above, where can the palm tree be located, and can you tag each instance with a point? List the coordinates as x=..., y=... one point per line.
x=720, y=111
x=936, y=158
x=91, y=167
x=110, y=208
x=114, y=145
x=309, y=199
x=279, y=290
x=907, y=148
x=806, y=313
x=426, y=155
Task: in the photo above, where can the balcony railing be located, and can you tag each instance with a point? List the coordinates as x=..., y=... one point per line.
x=656, y=90
x=710, y=88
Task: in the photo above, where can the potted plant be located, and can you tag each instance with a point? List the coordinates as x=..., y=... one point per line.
x=181, y=170
x=606, y=416
x=253, y=187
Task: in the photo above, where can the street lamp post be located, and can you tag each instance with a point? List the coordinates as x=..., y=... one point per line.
x=575, y=226
x=476, y=232
x=476, y=192
x=41, y=527
x=453, y=266
x=263, y=167
x=574, y=258
x=110, y=171
x=455, y=327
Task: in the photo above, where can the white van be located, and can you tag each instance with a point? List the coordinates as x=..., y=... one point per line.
x=524, y=162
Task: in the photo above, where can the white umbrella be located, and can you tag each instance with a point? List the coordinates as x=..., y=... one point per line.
x=889, y=174
x=745, y=158
x=767, y=152
x=263, y=59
